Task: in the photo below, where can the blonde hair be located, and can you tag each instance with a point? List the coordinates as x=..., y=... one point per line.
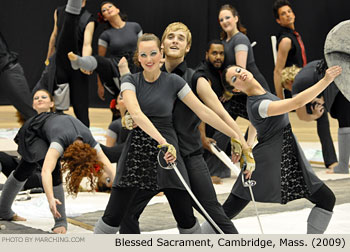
x=289, y=73
x=178, y=26
x=144, y=37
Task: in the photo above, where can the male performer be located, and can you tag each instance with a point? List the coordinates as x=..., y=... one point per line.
x=176, y=41
x=290, y=47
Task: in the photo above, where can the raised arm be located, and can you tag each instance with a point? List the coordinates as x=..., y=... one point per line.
x=282, y=53
x=87, y=45
x=88, y=36
x=52, y=40
x=287, y=105
x=206, y=141
x=49, y=165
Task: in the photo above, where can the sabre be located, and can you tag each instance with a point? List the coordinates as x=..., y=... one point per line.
x=220, y=154
x=172, y=166
x=250, y=183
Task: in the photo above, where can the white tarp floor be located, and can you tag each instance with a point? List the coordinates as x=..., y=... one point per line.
x=289, y=222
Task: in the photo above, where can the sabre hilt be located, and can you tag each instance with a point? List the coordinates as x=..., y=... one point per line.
x=161, y=161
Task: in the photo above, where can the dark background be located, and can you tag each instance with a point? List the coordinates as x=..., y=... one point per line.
x=27, y=25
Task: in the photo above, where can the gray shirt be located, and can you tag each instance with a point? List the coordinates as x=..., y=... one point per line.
x=156, y=99
x=240, y=42
x=119, y=41
x=268, y=153
x=62, y=130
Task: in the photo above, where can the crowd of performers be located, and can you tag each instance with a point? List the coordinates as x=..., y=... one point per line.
x=166, y=113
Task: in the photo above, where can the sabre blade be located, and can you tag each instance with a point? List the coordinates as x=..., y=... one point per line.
x=188, y=189
x=224, y=158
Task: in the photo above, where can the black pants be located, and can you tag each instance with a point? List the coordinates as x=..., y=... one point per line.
x=113, y=153
x=79, y=96
x=340, y=110
x=78, y=82
x=15, y=87
x=9, y=164
x=65, y=43
x=121, y=202
x=201, y=186
x=323, y=198
x=324, y=133
x=25, y=170
x=108, y=72
x=203, y=189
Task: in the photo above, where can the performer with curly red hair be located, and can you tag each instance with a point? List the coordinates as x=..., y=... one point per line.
x=42, y=140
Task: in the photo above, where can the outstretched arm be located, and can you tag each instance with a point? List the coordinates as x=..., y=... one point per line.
x=287, y=105
x=49, y=165
x=206, y=141
x=88, y=36
x=207, y=115
x=210, y=99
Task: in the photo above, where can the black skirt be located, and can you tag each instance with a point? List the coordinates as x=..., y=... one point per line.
x=141, y=163
x=293, y=184
x=32, y=145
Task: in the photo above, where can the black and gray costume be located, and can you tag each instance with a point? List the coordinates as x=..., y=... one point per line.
x=48, y=130
x=44, y=131
x=282, y=172
x=191, y=150
x=138, y=171
x=119, y=43
x=236, y=106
